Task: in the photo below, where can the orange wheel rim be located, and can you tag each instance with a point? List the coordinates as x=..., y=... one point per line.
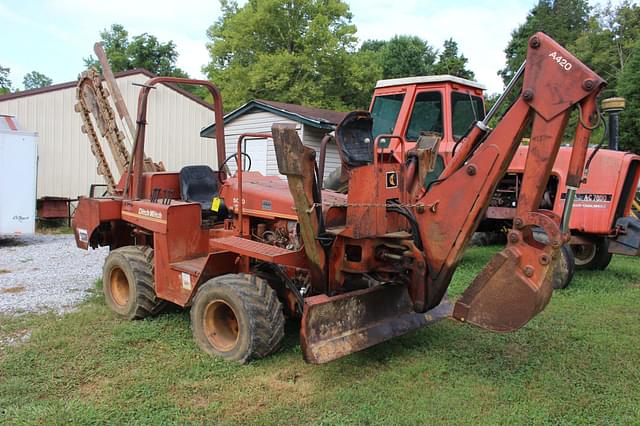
x=119, y=287
x=221, y=325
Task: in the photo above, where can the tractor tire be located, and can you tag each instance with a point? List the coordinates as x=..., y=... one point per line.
x=127, y=281
x=565, y=267
x=237, y=317
x=565, y=263
x=593, y=257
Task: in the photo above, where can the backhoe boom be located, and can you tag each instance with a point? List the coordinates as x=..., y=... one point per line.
x=389, y=234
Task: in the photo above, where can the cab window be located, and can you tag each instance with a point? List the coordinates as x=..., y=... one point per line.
x=466, y=109
x=426, y=115
x=385, y=113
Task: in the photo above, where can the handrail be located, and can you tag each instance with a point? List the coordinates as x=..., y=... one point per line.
x=137, y=155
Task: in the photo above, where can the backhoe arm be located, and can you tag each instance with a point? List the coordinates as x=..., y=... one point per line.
x=516, y=284
x=382, y=258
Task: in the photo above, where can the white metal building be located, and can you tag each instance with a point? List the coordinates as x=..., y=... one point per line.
x=66, y=166
x=259, y=115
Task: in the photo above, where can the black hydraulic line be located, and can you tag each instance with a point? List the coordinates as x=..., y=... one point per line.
x=407, y=214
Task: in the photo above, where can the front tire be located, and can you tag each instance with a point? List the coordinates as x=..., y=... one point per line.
x=237, y=317
x=127, y=281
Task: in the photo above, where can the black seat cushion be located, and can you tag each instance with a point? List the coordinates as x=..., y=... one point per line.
x=199, y=184
x=355, y=139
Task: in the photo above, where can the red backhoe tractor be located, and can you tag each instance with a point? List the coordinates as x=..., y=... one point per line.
x=601, y=221
x=359, y=268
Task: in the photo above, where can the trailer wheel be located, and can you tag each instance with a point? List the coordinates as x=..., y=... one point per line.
x=127, y=281
x=593, y=256
x=237, y=317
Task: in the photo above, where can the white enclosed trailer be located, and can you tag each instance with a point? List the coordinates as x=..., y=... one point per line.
x=18, y=169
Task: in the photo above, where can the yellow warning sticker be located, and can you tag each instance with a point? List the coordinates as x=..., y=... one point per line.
x=215, y=204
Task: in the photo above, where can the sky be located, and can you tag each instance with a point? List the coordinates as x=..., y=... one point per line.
x=53, y=36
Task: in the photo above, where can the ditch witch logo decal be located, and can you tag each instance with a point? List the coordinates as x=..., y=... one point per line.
x=392, y=180
x=150, y=213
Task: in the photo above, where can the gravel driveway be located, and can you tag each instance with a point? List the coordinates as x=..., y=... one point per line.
x=46, y=272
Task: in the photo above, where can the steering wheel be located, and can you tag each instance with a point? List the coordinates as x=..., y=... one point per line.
x=235, y=155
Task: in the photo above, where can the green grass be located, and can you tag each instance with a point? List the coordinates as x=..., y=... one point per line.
x=576, y=363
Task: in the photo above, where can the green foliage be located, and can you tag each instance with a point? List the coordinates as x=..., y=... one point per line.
x=408, y=56
x=142, y=51
x=608, y=41
x=603, y=38
x=5, y=81
x=402, y=56
x=450, y=61
x=629, y=88
x=288, y=50
x=564, y=20
x=35, y=79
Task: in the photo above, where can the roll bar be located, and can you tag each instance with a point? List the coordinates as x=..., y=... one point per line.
x=136, y=162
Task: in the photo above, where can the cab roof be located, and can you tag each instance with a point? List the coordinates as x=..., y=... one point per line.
x=429, y=79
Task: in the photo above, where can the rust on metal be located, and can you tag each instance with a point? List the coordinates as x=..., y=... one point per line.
x=297, y=163
x=333, y=327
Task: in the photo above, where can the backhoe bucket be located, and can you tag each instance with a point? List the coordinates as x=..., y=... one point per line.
x=333, y=327
x=503, y=297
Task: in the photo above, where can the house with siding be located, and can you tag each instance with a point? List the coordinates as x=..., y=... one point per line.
x=258, y=115
x=66, y=166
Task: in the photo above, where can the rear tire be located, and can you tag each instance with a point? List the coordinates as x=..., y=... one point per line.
x=127, y=281
x=237, y=317
x=594, y=256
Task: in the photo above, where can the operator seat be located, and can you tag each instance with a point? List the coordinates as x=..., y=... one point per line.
x=199, y=184
x=354, y=138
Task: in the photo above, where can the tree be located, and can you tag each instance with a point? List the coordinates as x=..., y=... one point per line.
x=5, y=81
x=402, y=56
x=608, y=41
x=288, y=50
x=35, y=79
x=143, y=51
x=564, y=20
x=629, y=88
x=452, y=62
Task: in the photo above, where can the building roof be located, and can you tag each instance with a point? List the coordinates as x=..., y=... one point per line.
x=127, y=73
x=314, y=117
x=429, y=79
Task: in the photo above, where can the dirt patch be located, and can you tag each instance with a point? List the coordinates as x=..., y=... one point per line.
x=4, y=271
x=93, y=389
x=247, y=397
x=12, y=290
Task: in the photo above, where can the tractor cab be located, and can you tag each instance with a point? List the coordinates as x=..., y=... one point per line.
x=444, y=106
